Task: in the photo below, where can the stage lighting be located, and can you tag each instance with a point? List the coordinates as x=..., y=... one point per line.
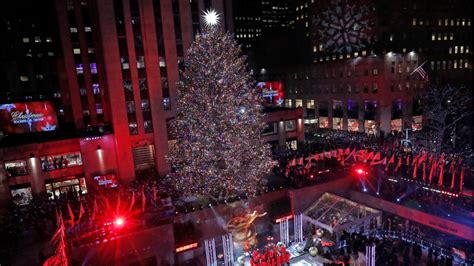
x=365, y=190
x=377, y=193
x=119, y=222
x=398, y=200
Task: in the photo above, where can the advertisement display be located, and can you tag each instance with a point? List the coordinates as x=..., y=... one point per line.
x=21, y=195
x=106, y=181
x=59, y=161
x=353, y=125
x=272, y=92
x=28, y=117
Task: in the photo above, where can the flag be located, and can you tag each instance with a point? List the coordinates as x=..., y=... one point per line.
x=441, y=174
x=434, y=165
x=117, y=208
x=107, y=203
x=132, y=202
x=424, y=172
x=421, y=72
x=81, y=212
x=308, y=164
x=415, y=168
x=392, y=160
x=399, y=164
x=155, y=193
x=347, y=151
x=408, y=160
x=327, y=154
x=340, y=152
x=143, y=199
x=461, y=179
x=316, y=157
x=377, y=157
x=71, y=214
x=384, y=161
x=94, y=210
x=453, y=176
x=422, y=158
x=292, y=162
x=451, y=167
x=431, y=158
x=369, y=156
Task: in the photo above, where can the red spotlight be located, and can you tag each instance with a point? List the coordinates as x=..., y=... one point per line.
x=311, y=176
x=359, y=171
x=119, y=222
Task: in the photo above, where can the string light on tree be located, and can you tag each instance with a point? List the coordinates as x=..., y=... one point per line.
x=219, y=151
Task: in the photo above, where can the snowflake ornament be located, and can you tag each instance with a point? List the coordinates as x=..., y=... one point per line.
x=344, y=27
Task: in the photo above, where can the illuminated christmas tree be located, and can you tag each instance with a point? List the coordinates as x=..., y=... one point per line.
x=219, y=151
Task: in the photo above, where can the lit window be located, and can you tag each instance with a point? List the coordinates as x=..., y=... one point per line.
x=375, y=71
x=450, y=50
x=455, y=49
x=451, y=36
x=48, y=39
x=461, y=63
x=39, y=77
x=298, y=103
x=433, y=36
x=444, y=65
x=95, y=88
x=79, y=69
x=455, y=66
x=90, y=50
x=87, y=29
x=98, y=108
x=315, y=49
x=310, y=104
x=50, y=53
x=76, y=51
x=414, y=22
x=466, y=64
x=37, y=39
x=445, y=37
x=73, y=29
x=26, y=39
x=467, y=49
x=461, y=49
x=93, y=67
x=440, y=36
x=24, y=78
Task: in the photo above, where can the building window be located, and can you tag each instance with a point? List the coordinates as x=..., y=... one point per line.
x=166, y=103
x=98, y=108
x=93, y=67
x=290, y=125
x=37, y=39
x=140, y=62
x=26, y=39
x=375, y=71
x=309, y=104
x=87, y=29
x=375, y=88
x=24, y=78
x=79, y=69
x=82, y=91
x=76, y=51
x=298, y=103
x=16, y=168
x=96, y=88
x=73, y=30
x=48, y=39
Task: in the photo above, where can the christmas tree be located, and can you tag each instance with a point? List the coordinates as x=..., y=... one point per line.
x=219, y=152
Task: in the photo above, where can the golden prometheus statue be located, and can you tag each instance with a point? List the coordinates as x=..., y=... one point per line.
x=243, y=230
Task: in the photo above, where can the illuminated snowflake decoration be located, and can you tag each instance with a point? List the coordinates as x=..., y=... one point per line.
x=344, y=26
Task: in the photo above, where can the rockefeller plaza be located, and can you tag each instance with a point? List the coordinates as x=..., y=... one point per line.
x=236, y=132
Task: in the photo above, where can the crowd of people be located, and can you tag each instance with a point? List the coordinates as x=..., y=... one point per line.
x=272, y=255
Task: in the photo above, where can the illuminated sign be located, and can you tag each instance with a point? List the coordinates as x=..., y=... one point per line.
x=107, y=181
x=272, y=92
x=19, y=118
x=186, y=247
x=287, y=217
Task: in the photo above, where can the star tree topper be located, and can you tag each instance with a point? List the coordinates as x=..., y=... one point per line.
x=211, y=18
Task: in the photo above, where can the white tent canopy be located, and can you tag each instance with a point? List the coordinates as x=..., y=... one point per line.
x=336, y=214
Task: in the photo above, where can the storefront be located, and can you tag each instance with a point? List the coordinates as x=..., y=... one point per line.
x=370, y=127
x=353, y=125
x=56, y=187
x=16, y=168
x=21, y=194
x=323, y=122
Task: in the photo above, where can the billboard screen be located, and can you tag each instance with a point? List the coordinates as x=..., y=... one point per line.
x=28, y=117
x=106, y=181
x=272, y=92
